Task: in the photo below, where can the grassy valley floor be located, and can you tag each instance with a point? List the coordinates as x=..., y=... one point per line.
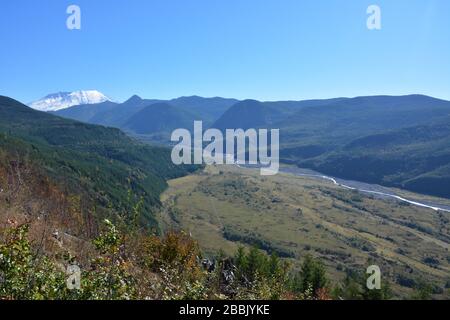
x=224, y=207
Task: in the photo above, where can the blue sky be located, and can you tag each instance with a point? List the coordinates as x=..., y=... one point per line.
x=267, y=50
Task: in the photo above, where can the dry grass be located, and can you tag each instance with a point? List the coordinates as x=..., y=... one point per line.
x=302, y=215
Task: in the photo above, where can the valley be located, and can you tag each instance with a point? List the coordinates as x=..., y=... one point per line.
x=226, y=206
x=437, y=204
x=354, y=213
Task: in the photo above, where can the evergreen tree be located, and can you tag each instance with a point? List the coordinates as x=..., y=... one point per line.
x=312, y=277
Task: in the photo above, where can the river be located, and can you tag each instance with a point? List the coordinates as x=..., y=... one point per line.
x=363, y=187
x=374, y=189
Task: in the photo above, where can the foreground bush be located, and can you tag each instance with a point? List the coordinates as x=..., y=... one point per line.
x=167, y=267
x=23, y=275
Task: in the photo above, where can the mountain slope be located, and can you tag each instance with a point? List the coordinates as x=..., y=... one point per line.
x=399, y=141
x=356, y=117
x=159, y=118
x=291, y=106
x=247, y=114
x=87, y=112
x=100, y=163
x=415, y=158
x=120, y=114
x=62, y=100
x=207, y=109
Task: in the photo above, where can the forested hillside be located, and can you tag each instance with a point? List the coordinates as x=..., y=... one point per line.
x=102, y=164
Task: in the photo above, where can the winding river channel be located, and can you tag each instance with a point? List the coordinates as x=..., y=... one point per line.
x=373, y=189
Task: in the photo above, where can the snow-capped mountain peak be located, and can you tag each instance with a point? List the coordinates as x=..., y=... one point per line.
x=63, y=100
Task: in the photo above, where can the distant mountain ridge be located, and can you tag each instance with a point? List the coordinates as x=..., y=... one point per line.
x=136, y=116
x=63, y=100
x=390, y=140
